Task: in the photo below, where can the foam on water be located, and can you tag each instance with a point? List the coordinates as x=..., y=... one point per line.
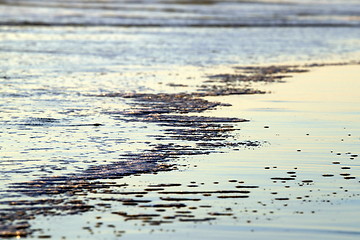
x=58, y=59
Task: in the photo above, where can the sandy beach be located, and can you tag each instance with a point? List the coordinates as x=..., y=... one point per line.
x=285, y=173
x=179, y=119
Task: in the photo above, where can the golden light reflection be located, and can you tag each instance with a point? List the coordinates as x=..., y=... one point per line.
x=323, y=93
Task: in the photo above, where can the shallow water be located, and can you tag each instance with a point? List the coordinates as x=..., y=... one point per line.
x=59, y=58
x=305, y=139
x=47, y=75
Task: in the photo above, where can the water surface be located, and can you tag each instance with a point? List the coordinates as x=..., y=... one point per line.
x=57, y=58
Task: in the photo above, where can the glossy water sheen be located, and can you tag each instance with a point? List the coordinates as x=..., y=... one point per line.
x=55, y=54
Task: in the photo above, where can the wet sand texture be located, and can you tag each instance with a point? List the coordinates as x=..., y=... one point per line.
x=203, y=134
x=186, y=135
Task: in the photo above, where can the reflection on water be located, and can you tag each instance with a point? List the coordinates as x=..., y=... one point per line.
x=48, y=73
x=58, y=57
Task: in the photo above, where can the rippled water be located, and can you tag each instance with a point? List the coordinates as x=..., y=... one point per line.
x=57, y=56
x=181, y=13
x=47, y=73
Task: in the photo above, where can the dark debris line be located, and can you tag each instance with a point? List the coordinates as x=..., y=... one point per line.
x=198, y=135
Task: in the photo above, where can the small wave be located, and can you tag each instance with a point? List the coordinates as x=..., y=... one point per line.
x=181, y=13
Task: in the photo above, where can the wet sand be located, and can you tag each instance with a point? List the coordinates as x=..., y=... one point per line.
x=277, y=160
x=143, y=119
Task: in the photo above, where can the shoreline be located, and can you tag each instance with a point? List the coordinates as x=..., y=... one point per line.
x=214, y=134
